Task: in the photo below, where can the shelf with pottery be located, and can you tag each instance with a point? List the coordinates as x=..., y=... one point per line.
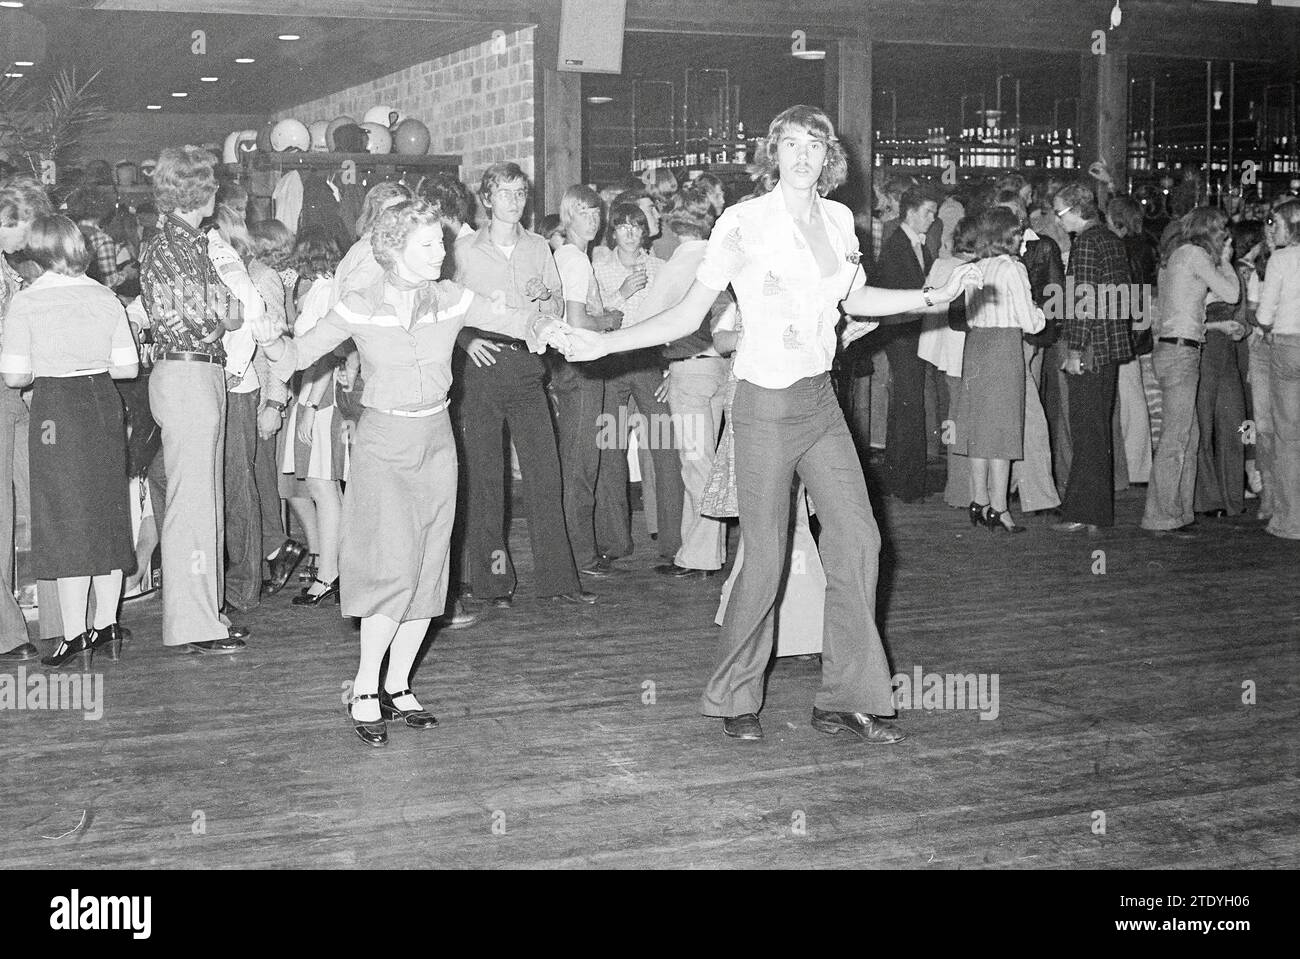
x=258, y=160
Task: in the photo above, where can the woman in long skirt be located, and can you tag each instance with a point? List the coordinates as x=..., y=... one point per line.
x=401, y=497
x=69, y=336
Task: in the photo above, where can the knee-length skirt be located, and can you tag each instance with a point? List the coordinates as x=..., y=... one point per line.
x=398, y=512
x=991, y=408
x=81, y=514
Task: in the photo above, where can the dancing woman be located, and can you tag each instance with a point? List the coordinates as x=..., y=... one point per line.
x=401, y=498
x=791, y=256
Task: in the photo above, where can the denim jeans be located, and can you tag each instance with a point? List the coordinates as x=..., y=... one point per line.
x=1284, y=376
x=1173, y=468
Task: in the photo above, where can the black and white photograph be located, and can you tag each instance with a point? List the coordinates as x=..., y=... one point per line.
x=651, y=435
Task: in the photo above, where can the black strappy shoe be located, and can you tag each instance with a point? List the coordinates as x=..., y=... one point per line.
x=109, y=641
x=307, y=599
x=77, y=651
x=993, y=520
x=371, y=733
x=976, y=511
x=415, y=718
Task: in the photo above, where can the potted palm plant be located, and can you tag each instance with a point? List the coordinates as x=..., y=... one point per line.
x=41, y=128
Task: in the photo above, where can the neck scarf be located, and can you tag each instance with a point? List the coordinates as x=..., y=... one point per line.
x=426, y=297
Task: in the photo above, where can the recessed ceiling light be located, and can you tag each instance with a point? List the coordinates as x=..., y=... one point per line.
x=599, y=100
x=288, y=36
x=13, y=76
x=180, y=95
x=208, y=79
x=810, y=54
x=24, y=63
x=10, y=3
x=244, y=60
x=153, y=106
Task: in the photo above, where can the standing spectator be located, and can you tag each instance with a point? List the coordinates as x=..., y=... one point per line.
x=189, y=308
x=1096, y=344
x=1200, y=262
x=69, y=336
x=21, y=201
x=1124, y=218
x=91, y=209
x=904, y=263
x=1279, y=313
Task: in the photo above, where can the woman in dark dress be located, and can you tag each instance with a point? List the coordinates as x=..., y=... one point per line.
x=68, y=336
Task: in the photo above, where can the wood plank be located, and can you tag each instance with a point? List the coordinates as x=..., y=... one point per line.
x=1118, y=692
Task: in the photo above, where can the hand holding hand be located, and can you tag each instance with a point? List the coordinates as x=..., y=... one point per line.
x=854, y=330
x=965, y=277
x=613, y=319
x=584, y=346
x=1073, y=363
x=306, y=416
x=268, y=422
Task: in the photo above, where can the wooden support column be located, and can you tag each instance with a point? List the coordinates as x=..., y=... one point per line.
x=848, y=101
x=1103, y=115
x=557, y=123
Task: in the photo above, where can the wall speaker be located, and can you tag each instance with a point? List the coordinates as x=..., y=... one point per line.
x=591, y=36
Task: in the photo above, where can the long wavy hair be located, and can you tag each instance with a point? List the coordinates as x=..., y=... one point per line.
x=835, y=167
x=1206, y=227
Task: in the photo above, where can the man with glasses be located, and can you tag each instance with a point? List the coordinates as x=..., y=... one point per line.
x=502, y=383
x=1096, y=344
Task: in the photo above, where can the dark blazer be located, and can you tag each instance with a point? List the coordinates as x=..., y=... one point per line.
x=1042, y=259
x=897, y=268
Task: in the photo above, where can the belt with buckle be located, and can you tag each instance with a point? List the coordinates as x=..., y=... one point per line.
x=418, y=413
x=1180, y=341
x=189, y=356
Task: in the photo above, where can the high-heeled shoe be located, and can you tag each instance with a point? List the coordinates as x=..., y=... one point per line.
x=77, y=651
x=976, y=511
x=993, y=520
x=109, y=640
x=415, y=718
x=372, y=733
x=309, y=599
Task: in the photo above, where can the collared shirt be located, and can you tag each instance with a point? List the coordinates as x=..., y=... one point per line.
x=183, y=295
x=918, y=244
x=1098, y=259
x=1279, y=300
x=358, y=270
x=405, y=343
x=671, y=286
x=65, y=325
x=610, y=274
x=790, y=309
x=482, y=267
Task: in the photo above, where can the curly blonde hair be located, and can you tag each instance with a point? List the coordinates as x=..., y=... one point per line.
x=835, y=168
x=183, y=179
x=396, y=224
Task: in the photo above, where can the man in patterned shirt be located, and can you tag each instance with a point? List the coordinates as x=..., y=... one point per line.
x=1097, y=342
x=90, y=209
x=189, y=309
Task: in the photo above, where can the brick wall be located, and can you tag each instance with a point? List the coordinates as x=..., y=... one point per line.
x=477, y=102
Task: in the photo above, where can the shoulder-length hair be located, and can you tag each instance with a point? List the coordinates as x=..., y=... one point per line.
x=377, y=198
x=692, y=216
x=497, y=174
x=577, y=197
x=835, y=167
x=395, y=226
x=272, y=243
x=1126, y=213
x=1289, y=213
x=233, y=230
x=621, y=213
x=965, y=238
x=22, y=200
x=57, y=244
x=1206, y=227
x=183, y=179
x=996, y=232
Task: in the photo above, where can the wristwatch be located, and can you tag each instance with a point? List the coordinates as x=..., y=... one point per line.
x=925, y=292
x=276, y=405
x=312, y=406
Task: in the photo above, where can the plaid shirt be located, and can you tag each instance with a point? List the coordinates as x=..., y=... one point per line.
x=183, y=295
x=1098, y=259
x=105, y=251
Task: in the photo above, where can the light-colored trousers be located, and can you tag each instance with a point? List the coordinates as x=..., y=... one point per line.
x=1134, y=421
x=1284, y=375
x=697, y=393
x=1031, y=477
x=1173, y=469
x=188, y=401
x=1261, y=401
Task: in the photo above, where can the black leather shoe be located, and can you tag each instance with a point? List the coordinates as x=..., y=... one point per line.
x=109, y=641
x=239, y=632
x=371, y=733
x=580, y=598
x=501, y=602
x=682, y=572
x=415, y=718
x=746, y=726
x=286, y=561
x=216, y=647
x=868, y=728
x=72, y=652
x=976, y=511
x=20, y=654
x=315, y=599
x=459, y=617
x=602, y=565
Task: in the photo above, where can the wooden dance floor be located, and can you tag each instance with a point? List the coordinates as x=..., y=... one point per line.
x=1120, y=695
